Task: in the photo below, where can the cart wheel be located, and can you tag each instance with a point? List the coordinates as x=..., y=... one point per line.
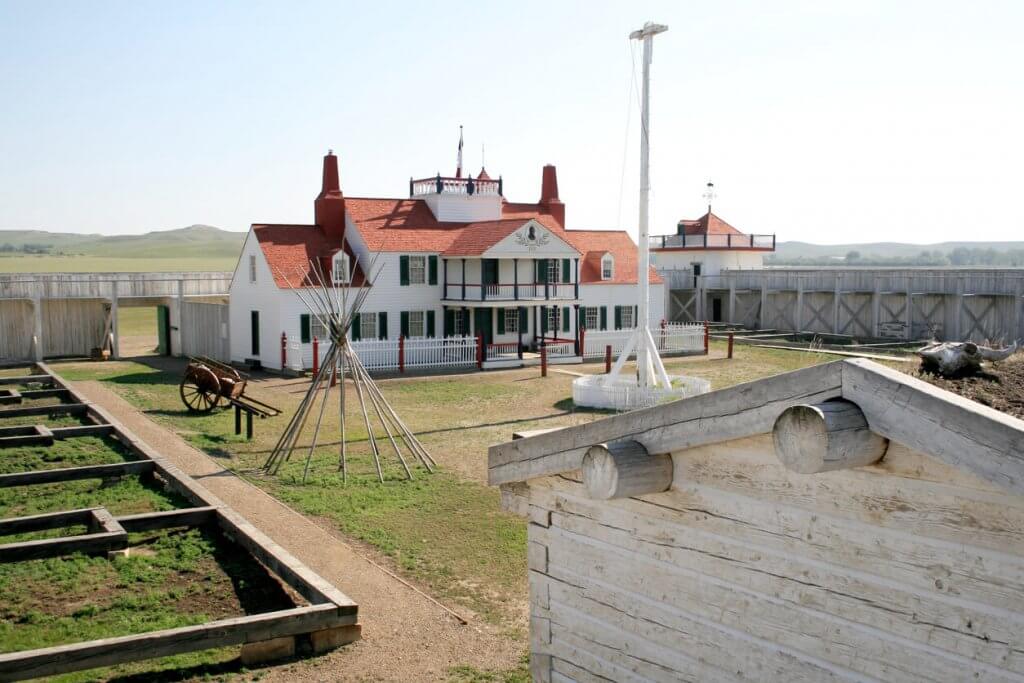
x=200, y=390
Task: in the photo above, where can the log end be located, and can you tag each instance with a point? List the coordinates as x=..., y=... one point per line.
x=828, y=436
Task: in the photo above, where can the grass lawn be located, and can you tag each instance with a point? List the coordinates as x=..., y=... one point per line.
x=108, y=264
x=444, y=530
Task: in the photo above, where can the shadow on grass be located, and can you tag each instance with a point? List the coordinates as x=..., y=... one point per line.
x=567, y=405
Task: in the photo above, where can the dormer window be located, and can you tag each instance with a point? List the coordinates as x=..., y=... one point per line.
x=340, y=269
x=607, y=267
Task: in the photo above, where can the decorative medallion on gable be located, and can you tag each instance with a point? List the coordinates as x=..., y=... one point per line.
x=531, y=238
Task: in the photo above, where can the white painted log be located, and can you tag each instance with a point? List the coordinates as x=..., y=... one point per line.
x=624, y=468
x=833, y=435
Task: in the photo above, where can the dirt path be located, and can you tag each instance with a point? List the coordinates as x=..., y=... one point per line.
x=405, y=636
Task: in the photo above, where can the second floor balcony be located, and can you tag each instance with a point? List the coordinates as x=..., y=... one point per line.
x=532, y=291
x=705, y=241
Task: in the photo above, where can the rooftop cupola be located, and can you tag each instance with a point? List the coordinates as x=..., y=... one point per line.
x=329, y=207
x=549, y=201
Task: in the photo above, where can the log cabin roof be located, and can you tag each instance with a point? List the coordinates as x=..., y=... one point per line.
x=953, y=429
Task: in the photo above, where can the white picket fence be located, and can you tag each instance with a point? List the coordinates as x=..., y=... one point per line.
x=672, y=338
x=450, y=352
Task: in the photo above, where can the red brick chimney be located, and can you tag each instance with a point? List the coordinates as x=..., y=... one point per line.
x=329, y=207
x=549, y=201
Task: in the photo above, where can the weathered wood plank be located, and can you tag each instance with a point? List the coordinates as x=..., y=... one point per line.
x=81, y=430
x=731, y=413
x=52, y=547
x=114, y=469
x=59, y=409
x=16, y=666
x=148, y=521
x=48, y=520
x=26, y=379
x=954, y=429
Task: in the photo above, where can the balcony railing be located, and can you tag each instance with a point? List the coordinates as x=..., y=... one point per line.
x=766, y=242
x=465, y=186
x=534, y=291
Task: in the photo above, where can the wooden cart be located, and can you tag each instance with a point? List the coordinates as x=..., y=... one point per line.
x=208, y=382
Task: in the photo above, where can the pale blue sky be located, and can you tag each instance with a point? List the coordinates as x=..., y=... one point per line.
x=819, y=121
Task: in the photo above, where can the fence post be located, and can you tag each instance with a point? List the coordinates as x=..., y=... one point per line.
x=401, y=353
x=730, y=345
x=607, y=358
x=316, y=356
x=581, y=349
x=664, y=326
x=543, y=359
x=479, y=351
x=284, y=351
x=707, y=337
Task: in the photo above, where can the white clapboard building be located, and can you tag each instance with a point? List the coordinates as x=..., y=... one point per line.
x=844, y=522
x=455, y=261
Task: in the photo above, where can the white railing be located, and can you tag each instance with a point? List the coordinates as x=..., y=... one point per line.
x=505, y=292
x=565, y=349
x=503, y=351
x=672, y=338
x=712, y=241
x=442, y=185
x=384, y=354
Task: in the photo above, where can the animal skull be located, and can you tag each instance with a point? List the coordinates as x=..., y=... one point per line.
x=949, y=358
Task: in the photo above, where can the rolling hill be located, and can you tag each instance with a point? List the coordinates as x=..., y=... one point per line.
x=195, y=241
x=887, y=249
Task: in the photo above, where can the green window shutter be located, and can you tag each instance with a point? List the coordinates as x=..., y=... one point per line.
x=565, y=318
x=432, y=269
x=618, y=317
x=304, y=328
x=430, y=324
x=542, y=271
x=449, y=322
x=357, y=327
x=255, y=322
x=581, y=318
x=405, y=323
x=604, y=317
x=636, y=312
x=566, y=272
x=382, y=325
x=543, y=320
x=524, y=319
x=501, y=320
x=403, y=270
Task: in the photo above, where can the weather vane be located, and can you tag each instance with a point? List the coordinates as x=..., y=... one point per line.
x=709, y=194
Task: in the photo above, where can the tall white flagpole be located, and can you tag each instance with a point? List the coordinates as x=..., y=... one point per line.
x=645, y=369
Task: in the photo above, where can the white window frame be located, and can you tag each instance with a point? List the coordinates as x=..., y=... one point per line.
x=511, y=320
x=252, y=269
x=607, y=267
x=365, y=318
x=459, y=320
x=317, y=330
x=417, y=324
x=417, y=270
x=340, y=270
x=592, y=317
x=554, y=318
x=626, y=315
x=554, y=271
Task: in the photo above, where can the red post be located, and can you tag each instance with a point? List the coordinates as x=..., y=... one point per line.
x=730, y=345
x=284, y=351
x=316, y=356
x=480, y=351
x=543, y=359
x=608, y=358
x=583, y=342
x=401, y=353
x=707, y=337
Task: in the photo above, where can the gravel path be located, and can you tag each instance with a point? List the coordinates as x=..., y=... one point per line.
x=405, y=636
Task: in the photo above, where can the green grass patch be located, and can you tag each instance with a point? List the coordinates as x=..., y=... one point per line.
x=76, y=452
x=471, y=674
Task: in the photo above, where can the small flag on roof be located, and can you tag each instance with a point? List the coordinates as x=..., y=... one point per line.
x=458, y=166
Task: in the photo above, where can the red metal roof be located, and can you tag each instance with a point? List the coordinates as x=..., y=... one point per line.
x=408, y=225
x=708, y=224
x=596, y=243
x=290, y=248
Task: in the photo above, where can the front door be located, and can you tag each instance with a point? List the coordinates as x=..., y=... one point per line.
x=716, y=310
x=490, y=271
x=163, y=327
x=484, y=324
x=696, y=274
x=254, y=326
